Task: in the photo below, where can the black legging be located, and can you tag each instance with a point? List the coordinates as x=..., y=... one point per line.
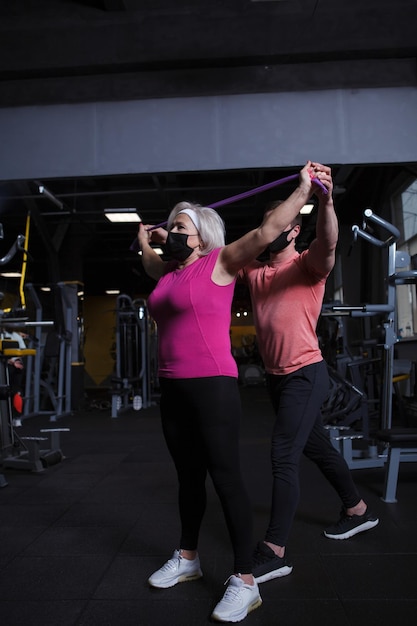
x=201, y=422
x=298, y=429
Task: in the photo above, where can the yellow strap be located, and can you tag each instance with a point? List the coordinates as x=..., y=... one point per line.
x=24, y=264
x=400, y=377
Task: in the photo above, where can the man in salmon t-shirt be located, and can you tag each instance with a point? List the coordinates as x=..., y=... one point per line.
x=287, y=292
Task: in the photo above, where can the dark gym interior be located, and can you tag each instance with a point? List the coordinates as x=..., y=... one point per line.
x=88, y=500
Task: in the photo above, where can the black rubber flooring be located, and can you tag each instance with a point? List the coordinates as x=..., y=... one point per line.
x=78, y=541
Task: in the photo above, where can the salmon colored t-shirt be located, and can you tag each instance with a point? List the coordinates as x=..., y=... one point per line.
x=286, y=302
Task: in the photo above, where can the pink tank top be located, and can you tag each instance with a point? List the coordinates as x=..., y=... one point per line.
x=193, y=317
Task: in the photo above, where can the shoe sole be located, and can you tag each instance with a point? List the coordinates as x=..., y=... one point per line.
x=180, y=579
x=353, y=531
x=238, y=618
x=278, y=573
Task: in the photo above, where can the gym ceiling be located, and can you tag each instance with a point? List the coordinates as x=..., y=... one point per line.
x=56, y=52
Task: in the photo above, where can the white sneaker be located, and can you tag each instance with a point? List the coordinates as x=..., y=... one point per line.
x=176, y=570
x=239, y=599
x=17, y=422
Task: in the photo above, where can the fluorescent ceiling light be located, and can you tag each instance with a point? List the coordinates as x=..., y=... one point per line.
x=112, y=292
x=122, y=215
x=11, y=274
x=306, y=209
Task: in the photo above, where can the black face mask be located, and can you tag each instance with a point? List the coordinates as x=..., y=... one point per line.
x=177, y=247
x=280, y=243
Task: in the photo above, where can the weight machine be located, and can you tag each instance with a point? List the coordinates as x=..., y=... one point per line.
x=375, y=447
x=48, y=390
x=30, y=453
x=132, y=380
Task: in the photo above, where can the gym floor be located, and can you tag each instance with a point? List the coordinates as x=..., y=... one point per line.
x=79, y=539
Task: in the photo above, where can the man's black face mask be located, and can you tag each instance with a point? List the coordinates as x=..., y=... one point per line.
x=280, y=243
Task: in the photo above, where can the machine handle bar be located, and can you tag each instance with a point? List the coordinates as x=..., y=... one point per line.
x=372, y=217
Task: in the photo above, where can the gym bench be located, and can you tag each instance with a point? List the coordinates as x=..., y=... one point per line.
x=402, y=447
x=33, y=455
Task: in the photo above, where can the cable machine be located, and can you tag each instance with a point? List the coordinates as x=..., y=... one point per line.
x=132, y=380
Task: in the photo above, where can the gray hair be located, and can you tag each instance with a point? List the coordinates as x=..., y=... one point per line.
x=212, y=229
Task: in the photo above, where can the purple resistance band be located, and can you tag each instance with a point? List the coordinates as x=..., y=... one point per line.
x=135, y=244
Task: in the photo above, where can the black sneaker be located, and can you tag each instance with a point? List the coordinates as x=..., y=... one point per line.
x=267, y=565
x=350, y=525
